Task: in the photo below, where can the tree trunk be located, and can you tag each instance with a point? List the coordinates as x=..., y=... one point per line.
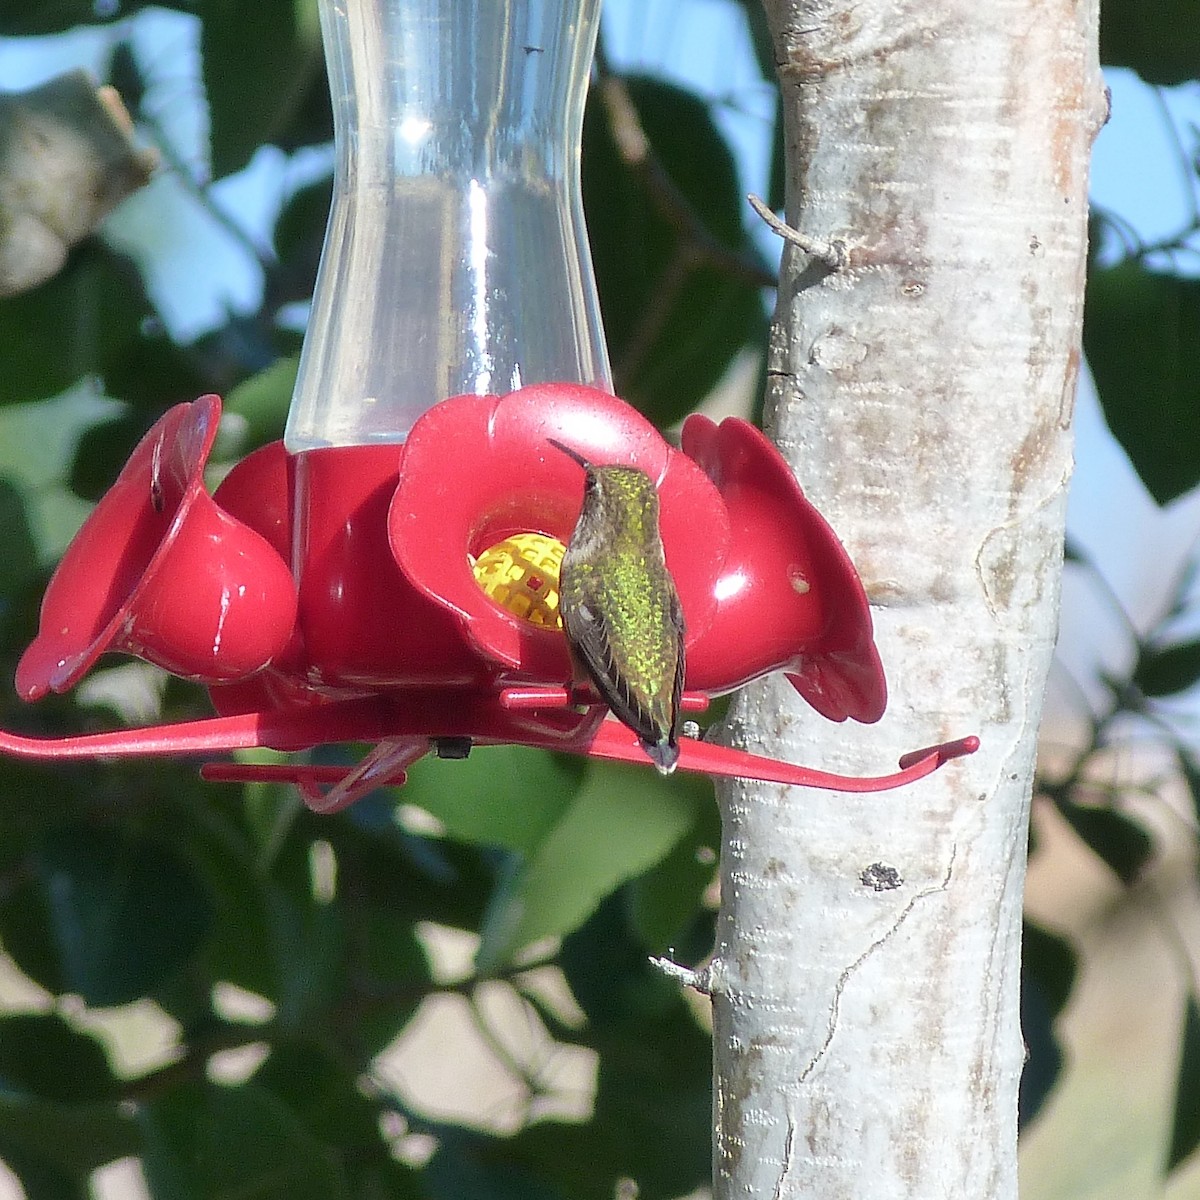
x=866, y=981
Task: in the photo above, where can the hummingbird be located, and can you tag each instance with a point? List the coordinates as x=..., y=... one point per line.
x=620, y=611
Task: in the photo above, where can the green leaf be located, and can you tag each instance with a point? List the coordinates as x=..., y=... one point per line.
x=1191, y=774
x=325, y=1096
x=1185, y=1130
x=1050, y=960
x=1141, y=334
x=1120, y=842
x=41, y=1179
x=1160, y=41
x=58, y=1110
x=306, y=933
x=475, y=1166
x=39, y=441
x=300, y=237
x=310, y=122
x=1048, y=970
x=307, y=946
x=151, y=372
x=205, y=1142
x=412, y=876
x=103, y=451
x=272, y=933
x=240, y=947
x=391, y=972
x=260, y=61
x=619, y=824
x=73, y=326
x=262, y=403
x=1167, y=671
x=35, y=798
x=652, y=1118
x=104, y=914
x=674, y=324
x=69, y=1140
x=18, y=551
x=323, y=1091
x=666, y=901
x=507, y=796
x=42, y=1055
x=760, y=37
x=38, y=444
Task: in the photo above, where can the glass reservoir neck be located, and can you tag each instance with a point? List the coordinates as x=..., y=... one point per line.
x=455, y=259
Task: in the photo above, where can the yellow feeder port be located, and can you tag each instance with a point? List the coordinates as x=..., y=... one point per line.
x=521, y=575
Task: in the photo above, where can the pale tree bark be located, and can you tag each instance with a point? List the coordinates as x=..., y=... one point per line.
x=866, y=980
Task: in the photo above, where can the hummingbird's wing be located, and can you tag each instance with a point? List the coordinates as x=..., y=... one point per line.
x=680, y=664
x=590, y=638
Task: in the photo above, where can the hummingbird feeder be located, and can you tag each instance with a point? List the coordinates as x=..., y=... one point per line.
x=388, y=573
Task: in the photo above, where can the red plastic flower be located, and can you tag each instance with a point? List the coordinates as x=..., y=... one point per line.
x=384, y=634
x=763, y=581
x=479, y=469
x=383, y=540
x=788, y=597
x=160, y=571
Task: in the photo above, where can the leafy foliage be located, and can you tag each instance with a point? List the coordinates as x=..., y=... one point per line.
x=123, y=886
x=103, y=914
x=1160, y=42
x=1141, y=335
x=1166, y=671
x=1118, y=841
x=1141, y=329
x=1047, y=977
x=673, y=313
x=273, y=49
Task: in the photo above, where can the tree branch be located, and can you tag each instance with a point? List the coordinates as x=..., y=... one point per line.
x=637, y=153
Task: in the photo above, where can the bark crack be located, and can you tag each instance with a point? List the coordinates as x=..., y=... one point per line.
x=995, y=562
x=789, y=1155
x=848, y=973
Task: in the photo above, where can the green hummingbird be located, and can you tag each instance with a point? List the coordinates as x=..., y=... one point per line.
x=619, y=607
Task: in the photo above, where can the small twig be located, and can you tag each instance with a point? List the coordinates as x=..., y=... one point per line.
x=202, y=194
x=1134, y=246
x=832, y=253
x=700, y=981
x=1108, y=592
x=1187, y=171
x=656, y=314
x=525, y=1073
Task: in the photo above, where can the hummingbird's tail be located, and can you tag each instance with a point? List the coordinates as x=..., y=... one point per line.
x=664, y=754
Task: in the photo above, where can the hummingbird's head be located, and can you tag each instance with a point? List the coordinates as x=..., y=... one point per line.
x=621, y=500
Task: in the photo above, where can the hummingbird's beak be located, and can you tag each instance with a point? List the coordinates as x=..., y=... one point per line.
x=572, y=454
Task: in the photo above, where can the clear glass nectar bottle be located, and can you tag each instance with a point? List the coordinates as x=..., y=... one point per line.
x=455, y=259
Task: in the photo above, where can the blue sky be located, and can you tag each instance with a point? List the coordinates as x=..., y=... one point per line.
x=1138, y=547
